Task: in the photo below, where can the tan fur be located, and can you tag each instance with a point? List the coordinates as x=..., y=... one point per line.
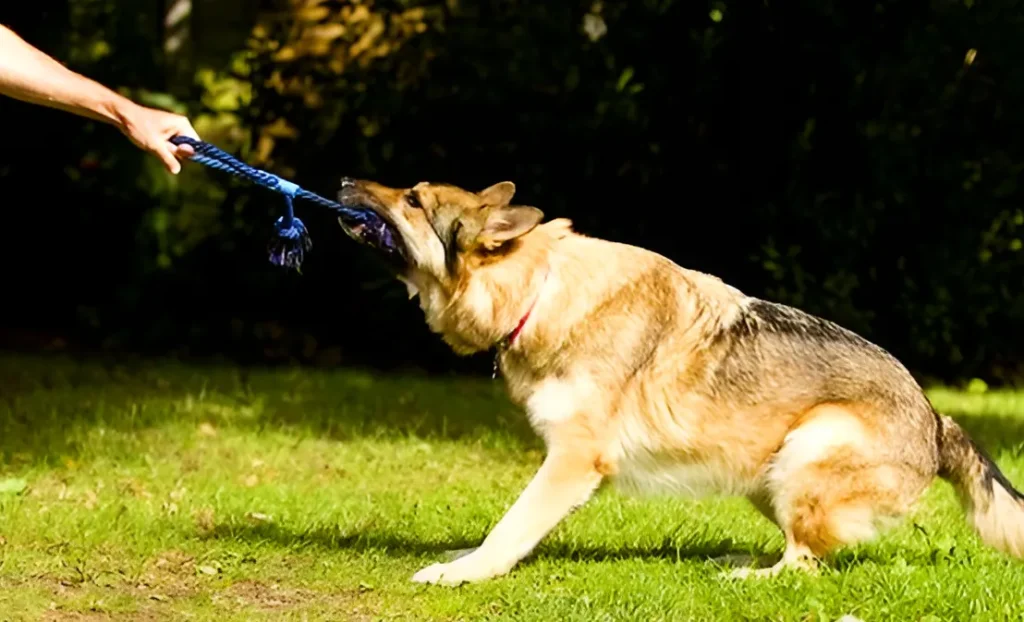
x=658, y=378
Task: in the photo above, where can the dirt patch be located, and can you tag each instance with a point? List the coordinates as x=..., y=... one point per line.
x=169, y=576
x=274, y=597
x=249, y=593
x=168, y=580
x=174, y=562
x=61, y=590
x=67, y=616
x=92, y=616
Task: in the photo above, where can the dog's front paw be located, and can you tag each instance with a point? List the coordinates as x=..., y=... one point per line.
x=431, y=574
x=467, y=569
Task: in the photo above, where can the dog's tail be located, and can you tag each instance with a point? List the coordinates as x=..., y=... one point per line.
x=994, y=507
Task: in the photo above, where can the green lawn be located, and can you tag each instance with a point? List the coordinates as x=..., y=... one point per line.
x=164, y=492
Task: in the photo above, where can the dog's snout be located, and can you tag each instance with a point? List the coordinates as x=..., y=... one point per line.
x=347, y=182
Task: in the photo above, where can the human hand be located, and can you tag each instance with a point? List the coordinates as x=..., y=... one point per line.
x=151, y=130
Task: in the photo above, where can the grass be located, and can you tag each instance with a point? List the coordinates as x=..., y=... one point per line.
x=161, y=491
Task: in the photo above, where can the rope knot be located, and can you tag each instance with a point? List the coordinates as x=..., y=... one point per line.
x=291, y=241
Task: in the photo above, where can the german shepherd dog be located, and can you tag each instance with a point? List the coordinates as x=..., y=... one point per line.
x=635, y=370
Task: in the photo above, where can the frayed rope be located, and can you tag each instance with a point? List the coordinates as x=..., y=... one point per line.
x=292, y=241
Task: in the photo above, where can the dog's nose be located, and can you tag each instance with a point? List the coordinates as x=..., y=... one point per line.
x=347, y=182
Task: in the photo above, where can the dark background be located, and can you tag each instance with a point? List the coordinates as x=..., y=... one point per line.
x=859, y=160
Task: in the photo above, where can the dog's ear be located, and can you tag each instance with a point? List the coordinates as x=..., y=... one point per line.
x=502, y=224
x=498, y=195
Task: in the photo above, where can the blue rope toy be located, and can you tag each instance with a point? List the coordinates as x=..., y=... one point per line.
x=292, y=242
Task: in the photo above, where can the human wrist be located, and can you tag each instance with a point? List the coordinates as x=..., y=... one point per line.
x=116, y=110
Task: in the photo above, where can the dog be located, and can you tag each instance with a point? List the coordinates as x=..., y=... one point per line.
x=639, y=372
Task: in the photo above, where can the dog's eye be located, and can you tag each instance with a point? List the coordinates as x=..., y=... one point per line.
x=413, y=201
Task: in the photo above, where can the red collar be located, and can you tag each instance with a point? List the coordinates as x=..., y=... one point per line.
x=510, y=338
x=506, y=343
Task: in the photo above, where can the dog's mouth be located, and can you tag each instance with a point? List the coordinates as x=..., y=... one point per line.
x=366, y=225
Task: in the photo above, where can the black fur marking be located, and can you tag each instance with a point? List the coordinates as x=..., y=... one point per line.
x=761, y=319
x=768, y=343
x=762, y=316
x=938, y=435
x=958, y=448
x=451, y=247
x=993, y=475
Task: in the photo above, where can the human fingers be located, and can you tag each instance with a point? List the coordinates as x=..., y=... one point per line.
x=166, y=153
x=181, y=126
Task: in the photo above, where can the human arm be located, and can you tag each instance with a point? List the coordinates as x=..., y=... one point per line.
x=29, y=75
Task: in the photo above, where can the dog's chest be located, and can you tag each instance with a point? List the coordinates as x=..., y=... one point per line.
x=569, y=407
x=671, y=456
x=649, y=476
x=557, y=400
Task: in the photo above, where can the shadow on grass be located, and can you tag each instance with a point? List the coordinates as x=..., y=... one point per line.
x=332, y=538
x=50, y=406
x=722, y=553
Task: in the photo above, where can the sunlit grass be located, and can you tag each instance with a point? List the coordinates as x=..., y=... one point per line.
x=160, y=491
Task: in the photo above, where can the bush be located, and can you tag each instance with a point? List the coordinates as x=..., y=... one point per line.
x=859, y=162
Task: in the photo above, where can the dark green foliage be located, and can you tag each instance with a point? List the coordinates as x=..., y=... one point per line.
x=859, y=161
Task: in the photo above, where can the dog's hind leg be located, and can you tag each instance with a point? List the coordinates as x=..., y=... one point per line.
x=830, y=488
x=762, y=502
x=797, y=556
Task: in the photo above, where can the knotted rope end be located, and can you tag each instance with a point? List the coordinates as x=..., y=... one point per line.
x=290, y=244
x=289, y=247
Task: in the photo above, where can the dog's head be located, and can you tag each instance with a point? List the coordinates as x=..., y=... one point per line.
x=440, y=231
x=468, y=255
